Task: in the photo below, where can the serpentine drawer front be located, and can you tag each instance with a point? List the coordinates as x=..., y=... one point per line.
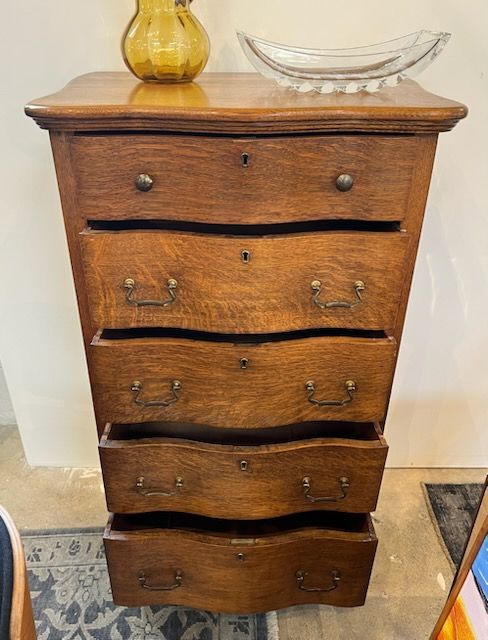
x=150, y=473
x=242, y=257
x=251, y=180
x=278, y=563
x=244, y=284
x=252, y=385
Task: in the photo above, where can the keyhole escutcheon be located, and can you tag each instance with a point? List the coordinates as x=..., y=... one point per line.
x=245, y=160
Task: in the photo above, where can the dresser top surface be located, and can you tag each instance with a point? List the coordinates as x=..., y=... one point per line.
x=240, y=103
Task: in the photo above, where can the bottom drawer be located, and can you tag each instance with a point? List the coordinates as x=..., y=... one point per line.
x=240, y=567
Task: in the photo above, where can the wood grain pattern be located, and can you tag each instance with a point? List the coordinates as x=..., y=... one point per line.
x=270, y=485
x=74, y=224
x=22, y=626
x=106, y=129
x=215, y=577
x=243, y=103
x=413, y=222
x=270, y=392
x=202, y=178
x=218, y=292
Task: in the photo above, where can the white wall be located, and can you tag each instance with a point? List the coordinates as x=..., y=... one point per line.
x=7, y=416
x=438, y=415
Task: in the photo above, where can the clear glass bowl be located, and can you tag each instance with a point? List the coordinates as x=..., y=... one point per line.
x=345, y=70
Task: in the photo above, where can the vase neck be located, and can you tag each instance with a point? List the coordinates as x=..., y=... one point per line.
x=152, y=6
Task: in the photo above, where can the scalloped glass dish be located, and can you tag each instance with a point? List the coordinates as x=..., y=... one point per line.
x=344, y=70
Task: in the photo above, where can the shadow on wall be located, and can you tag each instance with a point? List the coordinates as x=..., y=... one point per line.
x=7, y=415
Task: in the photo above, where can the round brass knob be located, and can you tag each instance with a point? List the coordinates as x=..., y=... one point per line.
x=144, y=182
x=344, y=182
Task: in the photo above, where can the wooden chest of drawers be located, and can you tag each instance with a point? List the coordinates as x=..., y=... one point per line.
x=242, y=258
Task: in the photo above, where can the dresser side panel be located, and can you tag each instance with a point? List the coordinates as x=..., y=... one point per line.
x=74, y=224
x=412, y=224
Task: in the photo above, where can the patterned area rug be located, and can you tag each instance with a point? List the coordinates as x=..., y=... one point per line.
x=454, y=508
x=71, y=598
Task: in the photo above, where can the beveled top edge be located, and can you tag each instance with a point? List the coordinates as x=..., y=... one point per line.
x=237, y=103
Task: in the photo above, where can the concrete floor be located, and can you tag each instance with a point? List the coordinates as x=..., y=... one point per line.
x=47, y=498
x=411, y=576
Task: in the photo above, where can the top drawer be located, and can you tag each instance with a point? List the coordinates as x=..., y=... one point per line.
x=244, y=181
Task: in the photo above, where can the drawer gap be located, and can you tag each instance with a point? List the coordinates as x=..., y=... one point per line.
x=123, y=133
x=241, y=229
x=237, y=339
x=361, y=432
x=345, y=522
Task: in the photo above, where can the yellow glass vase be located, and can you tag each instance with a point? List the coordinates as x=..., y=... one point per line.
x=165, y=42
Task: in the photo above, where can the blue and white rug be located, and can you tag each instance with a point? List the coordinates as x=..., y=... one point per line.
x=71, y=598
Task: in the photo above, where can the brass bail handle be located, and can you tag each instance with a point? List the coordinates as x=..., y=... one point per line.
x=316, y=286
x=137, y=388
x=178, y=581
x=335, y=577
x=344, y=485
x=350, y=386
x=149, y=493
x=130, y=287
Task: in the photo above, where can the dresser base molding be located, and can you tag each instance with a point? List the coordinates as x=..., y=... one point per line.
x=246, y=567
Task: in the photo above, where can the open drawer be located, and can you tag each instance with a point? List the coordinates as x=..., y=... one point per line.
x=149, y=467
x=228, y=382
x=244, y=567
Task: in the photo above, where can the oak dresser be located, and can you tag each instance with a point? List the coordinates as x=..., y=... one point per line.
x=242, y=256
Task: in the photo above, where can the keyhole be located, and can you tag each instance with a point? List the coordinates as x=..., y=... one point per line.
x=245, y=160
x=246, y=256
x=244, y=362
x=243, y=465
